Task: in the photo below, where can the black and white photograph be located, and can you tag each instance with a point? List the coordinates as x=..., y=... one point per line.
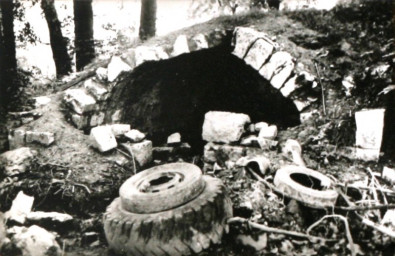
x=197, y=127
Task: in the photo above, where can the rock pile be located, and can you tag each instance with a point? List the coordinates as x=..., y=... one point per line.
x=234, y=141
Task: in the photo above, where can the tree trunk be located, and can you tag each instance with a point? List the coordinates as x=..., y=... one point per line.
x=58, y=42
x=147, y=19
x=7, y=50
x=83, y=30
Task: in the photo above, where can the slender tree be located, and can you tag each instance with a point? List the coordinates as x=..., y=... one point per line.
x=83, y=30
x=8, y=63
x=58, y=42
x=147, y=19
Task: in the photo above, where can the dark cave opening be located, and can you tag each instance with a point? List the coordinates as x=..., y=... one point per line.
x=173, y=95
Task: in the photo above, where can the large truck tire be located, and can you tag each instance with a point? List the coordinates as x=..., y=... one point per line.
x=183, y=230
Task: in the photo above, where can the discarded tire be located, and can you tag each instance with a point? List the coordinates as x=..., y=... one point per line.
x=305, y=185
x=161, y=188
x=185, y=229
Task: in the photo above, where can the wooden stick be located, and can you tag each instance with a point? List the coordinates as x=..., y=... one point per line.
x=368, y=222
x=347, y=227
x=365, y=208
x=276, y=230
x=322, y=89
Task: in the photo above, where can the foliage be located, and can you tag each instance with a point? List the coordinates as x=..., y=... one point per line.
x=26, y=34
x=201, y=8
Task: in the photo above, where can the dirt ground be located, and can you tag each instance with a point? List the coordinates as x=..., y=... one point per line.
x=71, y=177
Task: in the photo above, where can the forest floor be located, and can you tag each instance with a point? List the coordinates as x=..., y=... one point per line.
x=347, y=41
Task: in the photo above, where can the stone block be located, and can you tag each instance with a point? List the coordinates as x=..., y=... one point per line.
x=180, y=46
x=43, y=138
x=116, y=67
x=135, y=135
x=269, y=132
x=79, y=121
x=199, y=42
x=261, y=125
x=97, y=119
x=261, y=49
x=101, y=74
x=102, y=138
x=35, y=241
x=41, y=101
x=141, y=151
x=120, y=129
x=17, y=139
x=174, y=138
x=243, y=38
x=16, y=161
x=289, y=86
x=389, y=175
x=225, y=127
x=145, y=53
x=48, y=216
x=370, y=125
x=278, y=69
x=79, y=101
x=20, y=208
x=96, y=89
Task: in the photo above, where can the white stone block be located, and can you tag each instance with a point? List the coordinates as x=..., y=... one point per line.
x=370, y=125
x=17, y=139
x=141, y=152
x=224, y=127
x=174, y=138
x=389, y=174
x=52, y=216
x=79, y=100
x=261, y=125
x=180, y=46
x=101, y=74
x=145, y=53
x=41, y=101
x=243, y=37
x=120, y=129
x=97, y=119
x=35, y=241
x=102, y=138
x=135, y=135
x=79, y=121
x=259, y=52
x=21, y=207
x=289, y=86
x=116, y=67
x=278, y=69
x=200, y=41
x=16, y=161
x=44, y=138
x=96, y=89
x=269, y=133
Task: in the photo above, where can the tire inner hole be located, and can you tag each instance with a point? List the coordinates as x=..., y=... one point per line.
x=161, y=180
x=307, y=181
x=165, y=181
